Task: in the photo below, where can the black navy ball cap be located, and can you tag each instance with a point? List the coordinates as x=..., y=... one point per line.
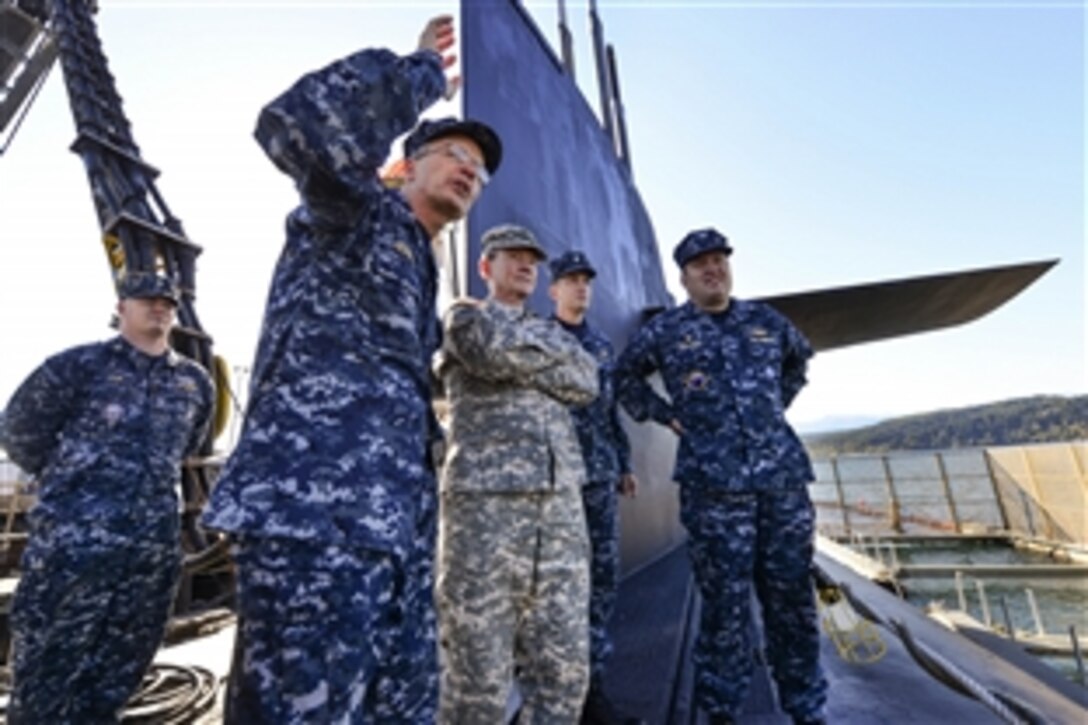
x=481, y=133
x=699, y=242
x=571, y=262
x=144, y=285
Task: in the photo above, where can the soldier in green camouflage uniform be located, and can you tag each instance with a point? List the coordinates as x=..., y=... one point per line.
x=513, y=559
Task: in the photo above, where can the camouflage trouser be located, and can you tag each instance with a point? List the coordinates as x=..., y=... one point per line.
x=332, y=635
x=88, y=615
x=766, y=538
x=599, y=498
x=513, y=589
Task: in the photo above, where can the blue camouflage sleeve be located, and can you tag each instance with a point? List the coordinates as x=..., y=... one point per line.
x=637, y=362
x=795, y=356
x=623, y=446
x=619, y=435
x=331, y=131
x=37, y=412
x=204, y=416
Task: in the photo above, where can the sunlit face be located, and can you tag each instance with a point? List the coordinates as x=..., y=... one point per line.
x=510, y=274
x=572, y=294
x=708, y=280
x=446, y=176
x=145, y=319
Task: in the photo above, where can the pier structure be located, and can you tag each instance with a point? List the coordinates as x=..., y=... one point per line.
x=1035, y=496
x=914, y=520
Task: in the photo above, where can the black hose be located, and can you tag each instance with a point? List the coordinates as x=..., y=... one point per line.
x=172, y=695
x=169, y=695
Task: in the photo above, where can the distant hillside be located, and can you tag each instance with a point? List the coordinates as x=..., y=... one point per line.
x=1040, y=419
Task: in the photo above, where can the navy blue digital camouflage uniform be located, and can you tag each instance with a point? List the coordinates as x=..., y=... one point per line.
x=607, y=458
x=330, y=493
x=103, y=428
x=742, y=473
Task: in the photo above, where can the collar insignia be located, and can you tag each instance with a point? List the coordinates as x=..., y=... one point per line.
x=696, y=380
x=404, y=250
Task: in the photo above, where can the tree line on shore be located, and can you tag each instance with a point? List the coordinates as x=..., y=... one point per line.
x=1037, y=419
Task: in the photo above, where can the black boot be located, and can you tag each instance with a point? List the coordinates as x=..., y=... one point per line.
x=600, y=710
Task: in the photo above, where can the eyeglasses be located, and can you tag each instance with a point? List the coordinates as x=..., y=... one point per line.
x=461, y=155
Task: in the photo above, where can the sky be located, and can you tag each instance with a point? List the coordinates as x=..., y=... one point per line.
x=835, y=143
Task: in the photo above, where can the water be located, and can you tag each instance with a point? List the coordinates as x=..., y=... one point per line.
x=1062, y=601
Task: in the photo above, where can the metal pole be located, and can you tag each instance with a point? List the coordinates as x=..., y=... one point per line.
x=894, y=555
x=453, y=263
x=1005, y=523
x=1077, y=655
x=1008, y=620
x=603, y=87
x=948, y=493
x=834, y=462
x=1035, y=612
x=961, y=596
x=983, y=603
x=565, y=40
x=895, y=519
x=618, y=115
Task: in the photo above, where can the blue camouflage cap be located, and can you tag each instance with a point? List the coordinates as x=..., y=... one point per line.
x=144, y=285
x=571, y=262
x=481, y=133
x=699, y=242
x=510, y=236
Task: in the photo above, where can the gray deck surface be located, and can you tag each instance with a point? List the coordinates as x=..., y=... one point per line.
x=651, y=676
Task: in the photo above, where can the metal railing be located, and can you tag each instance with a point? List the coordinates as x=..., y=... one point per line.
x=1038, y=492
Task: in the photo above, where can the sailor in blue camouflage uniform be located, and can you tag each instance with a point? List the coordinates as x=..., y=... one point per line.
x=608, y=470
x=330, y=494
x=730, y=368
x=103, y=428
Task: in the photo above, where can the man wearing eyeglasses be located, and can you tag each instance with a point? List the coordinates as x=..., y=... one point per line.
x=329, y=496
x=513, y=569
x=731, y=368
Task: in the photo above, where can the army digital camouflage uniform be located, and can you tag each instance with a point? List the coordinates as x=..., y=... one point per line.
x=607, y=458
x=513, y=576
x=103, y=428
x=330, y=492
x=743, y=499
